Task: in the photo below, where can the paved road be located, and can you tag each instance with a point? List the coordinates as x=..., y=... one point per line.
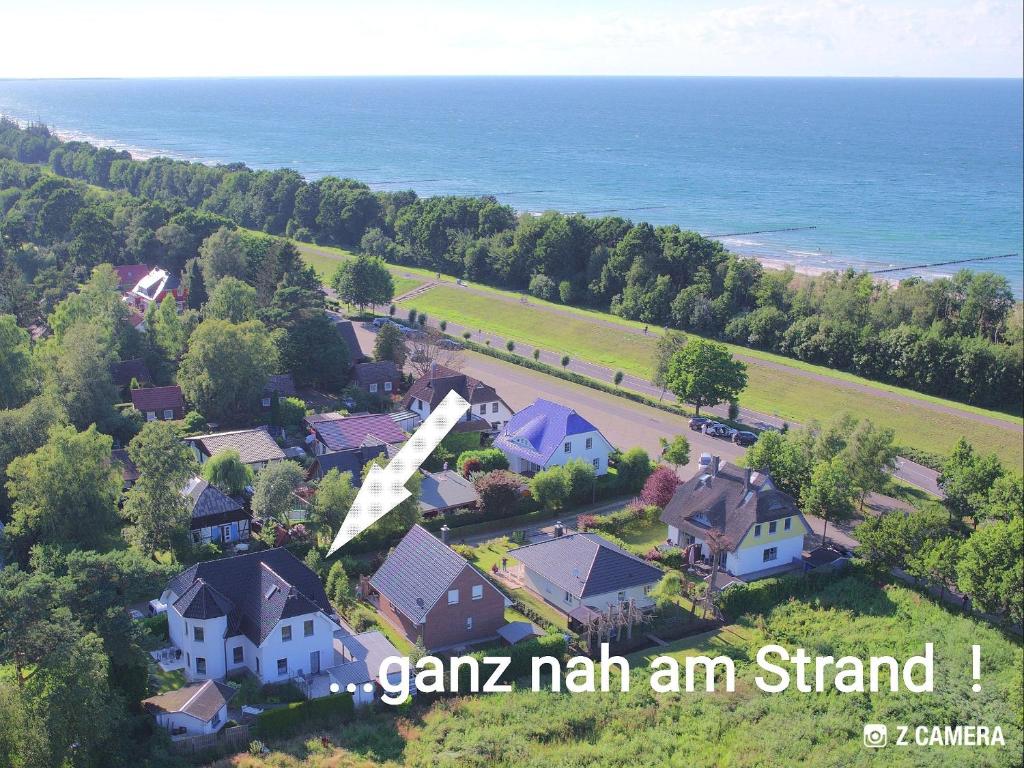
x=623, y=422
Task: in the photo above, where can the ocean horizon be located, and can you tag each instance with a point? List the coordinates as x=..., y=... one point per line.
x=851, y=172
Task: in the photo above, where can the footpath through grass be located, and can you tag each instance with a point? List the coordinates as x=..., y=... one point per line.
x=785, y=391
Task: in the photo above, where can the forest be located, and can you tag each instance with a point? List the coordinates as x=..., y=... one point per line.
x=960, y=338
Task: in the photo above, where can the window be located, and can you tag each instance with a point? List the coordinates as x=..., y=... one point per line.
x=168, y=414
x=621, y=597
x=787, y=525
x=757, y=530
x=200, y=665
x=596, y=463
x=453, y=597
x=265, y=402
x=150, y=415
x=772, y=553
x=483, y=407
x=647, y=589
x=478, y=592
x=286, y=633
x=590, y=443
x=494, y=407
x=469, y=623
x=282, y=666
x=307, y=628
x=495, y=425
x=197, y=537
x=197, y=634
x=387, y=386
x=568, y=597
x=772, y=526
x=238, y=655
x=567, y=447
x=216, y=719
x=373, y=388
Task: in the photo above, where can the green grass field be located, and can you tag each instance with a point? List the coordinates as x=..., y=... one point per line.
x=598, y=337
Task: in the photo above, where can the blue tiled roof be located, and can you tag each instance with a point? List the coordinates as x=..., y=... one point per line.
x=536, y=431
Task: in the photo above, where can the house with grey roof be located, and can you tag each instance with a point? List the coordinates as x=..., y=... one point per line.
x=255, y=446
x=193, y=710
x=760, y=526
x=216, y=517
x=428, y=592
x=444, y=492
x=351, y=460
x=583, y=572
x=266, y=612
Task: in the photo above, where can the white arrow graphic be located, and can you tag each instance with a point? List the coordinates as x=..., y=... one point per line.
x=384, y=489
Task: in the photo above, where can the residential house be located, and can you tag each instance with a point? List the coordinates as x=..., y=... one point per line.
x=129, y=275
x=265, y=611
x=357, y=666
x=255, y=446
x=546, y=434
x=761, y=525
x=278, y=385
x=348, y=335
x=134, y=370
x=129, y=472
x=428, y=592
x=351, y=460
x=381, y=379
x=154, y=287
x=334, y=432
x=429, y=390
x=159, y=403
x=445, y=492
x=194, y=710
x=583, y=573
x=216, y=517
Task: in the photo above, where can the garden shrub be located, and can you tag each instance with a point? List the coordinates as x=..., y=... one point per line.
x=305, y=715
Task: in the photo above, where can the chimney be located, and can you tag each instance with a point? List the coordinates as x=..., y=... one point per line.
x=559, y=529
x=445, y=530
x=433, y=368
x=746, y=479
x=714, y=466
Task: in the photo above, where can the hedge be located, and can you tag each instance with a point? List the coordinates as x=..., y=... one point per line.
x=763, y=595
x=520, y=657
x=305, y=715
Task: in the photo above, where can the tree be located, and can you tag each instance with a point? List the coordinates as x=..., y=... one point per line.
x=97, y=302
x=936, y=562
x=634, y=467
x=892, y=540
x=226, y=366
x=17, y=376
x=486, y=460
x=1005, y=499
x=717, y=544
x=676, y=452
x=565, y=361
x=24, y=430
x=991, y=568
x=659, y=488
x=786, y=457
x=665, y=349
x=65, y=492
x=870, y=458
x=550, y=487
x=78, y=375
x=338, y=587
x=830, y=493
x=155, y=507
x=581, y=477
x=428, y=347
x=195, y=284
x=389, y=345
x=226, y=471
x=510, y=345
x=334, y=497
x=275, y=484
x=966, y=478
x=363, y=281
x=705, y=374
x=221, y=255
x=398, y=521
x=231, y=300
x=619, y=376
x=500, y=492
x=166, y=328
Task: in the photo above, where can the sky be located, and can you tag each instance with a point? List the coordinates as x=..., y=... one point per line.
x=216, y=38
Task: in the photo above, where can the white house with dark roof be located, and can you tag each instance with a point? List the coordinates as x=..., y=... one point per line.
x=487, y=410
x=762, y=527
x=584, y=572
x=193, y=710
x=266, y=612
x=546, y=434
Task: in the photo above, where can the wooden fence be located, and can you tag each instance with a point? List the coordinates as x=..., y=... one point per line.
x=234, y=738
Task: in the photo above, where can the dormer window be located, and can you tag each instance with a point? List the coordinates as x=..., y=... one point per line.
x=772, y=527
x=757, y=530
x=787, y=524
x=568, y=447
x=701, y=518
x=270, y=592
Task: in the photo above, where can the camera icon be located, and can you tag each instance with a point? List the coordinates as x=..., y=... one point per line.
x=876, y=735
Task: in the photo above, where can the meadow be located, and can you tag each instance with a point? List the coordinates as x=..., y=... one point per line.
x=746, y=728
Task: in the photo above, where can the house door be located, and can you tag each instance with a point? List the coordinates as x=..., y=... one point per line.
x=314, y=663
x=225, y=533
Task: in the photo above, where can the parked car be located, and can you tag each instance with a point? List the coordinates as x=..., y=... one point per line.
x=449, y=344
x=719, y=430
x=744, y=438
x=697, y=422
x=705, y=460
x=380, y=322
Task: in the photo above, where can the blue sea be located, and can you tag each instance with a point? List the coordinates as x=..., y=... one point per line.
x=888, y=172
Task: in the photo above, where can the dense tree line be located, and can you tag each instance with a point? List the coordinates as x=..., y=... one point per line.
x=959, y=337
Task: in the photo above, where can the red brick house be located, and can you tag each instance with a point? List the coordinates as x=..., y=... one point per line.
x=427, y=591
x=159, y=403
x=154, y=287
x=381, y=378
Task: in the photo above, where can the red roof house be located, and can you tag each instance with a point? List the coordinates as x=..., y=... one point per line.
x=160, y=403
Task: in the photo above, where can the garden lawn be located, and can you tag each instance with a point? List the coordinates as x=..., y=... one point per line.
x=785, y=392
x=166, y=681
x=489, y=554
x=325, y=261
